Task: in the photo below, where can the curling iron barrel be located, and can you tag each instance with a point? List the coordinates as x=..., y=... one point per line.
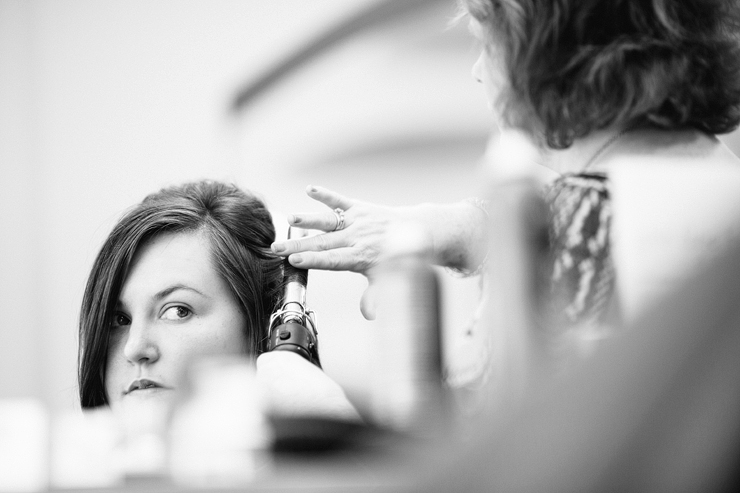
x=293, y=326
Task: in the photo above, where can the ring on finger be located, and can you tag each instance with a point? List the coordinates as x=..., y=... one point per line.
x=339, y=214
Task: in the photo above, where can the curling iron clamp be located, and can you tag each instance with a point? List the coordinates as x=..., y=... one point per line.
x=293, y=325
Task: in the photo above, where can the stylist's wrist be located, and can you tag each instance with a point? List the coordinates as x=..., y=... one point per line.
x=459, y=233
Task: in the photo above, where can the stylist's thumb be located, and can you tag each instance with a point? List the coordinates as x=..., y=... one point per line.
x=367, y=303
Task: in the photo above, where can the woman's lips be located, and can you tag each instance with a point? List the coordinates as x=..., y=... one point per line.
x=144, y=385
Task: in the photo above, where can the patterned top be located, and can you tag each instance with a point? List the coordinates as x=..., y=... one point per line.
x=583, y=272
x=581, y=276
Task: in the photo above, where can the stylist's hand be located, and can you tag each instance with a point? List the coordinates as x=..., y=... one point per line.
x=354, y=245
x=355, y=235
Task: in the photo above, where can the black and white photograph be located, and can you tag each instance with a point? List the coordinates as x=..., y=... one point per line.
x=370, y=245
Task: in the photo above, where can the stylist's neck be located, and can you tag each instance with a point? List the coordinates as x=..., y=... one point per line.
x=586, y=153
x=516, y=147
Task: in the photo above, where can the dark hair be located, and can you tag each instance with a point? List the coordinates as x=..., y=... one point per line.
x=576, y=66
x=240, y=232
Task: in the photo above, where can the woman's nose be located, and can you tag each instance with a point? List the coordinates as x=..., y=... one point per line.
x=141, y=347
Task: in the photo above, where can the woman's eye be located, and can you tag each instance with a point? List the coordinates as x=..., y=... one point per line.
x=176, y=313
x=120, y=320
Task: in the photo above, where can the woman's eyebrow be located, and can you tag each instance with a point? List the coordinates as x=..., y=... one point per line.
x=176, y=287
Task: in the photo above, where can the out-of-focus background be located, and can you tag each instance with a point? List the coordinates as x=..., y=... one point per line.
x=102, y=103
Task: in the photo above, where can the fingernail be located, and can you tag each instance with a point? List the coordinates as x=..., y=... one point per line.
x=296, y=258
x=294, y=219
x=311, y=189
x=277, y=247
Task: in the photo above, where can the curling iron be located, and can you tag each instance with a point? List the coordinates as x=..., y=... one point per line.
x=293, y=325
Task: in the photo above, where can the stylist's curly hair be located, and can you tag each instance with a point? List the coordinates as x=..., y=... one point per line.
x=576, y=66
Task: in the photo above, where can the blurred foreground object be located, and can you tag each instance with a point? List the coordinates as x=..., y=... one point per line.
x=293, y=387
x=85, y=448
x=219, y=434
x=656, y=408
x=516, y=277
x=406, y=388
x=24, y=435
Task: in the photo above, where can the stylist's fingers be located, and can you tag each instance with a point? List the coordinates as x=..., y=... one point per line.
x=316, y=243
x=338, y=259
x=329, y=198
x=325, y=221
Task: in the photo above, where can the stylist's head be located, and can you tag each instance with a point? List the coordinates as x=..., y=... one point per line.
x=187, y=272
x=561, y=69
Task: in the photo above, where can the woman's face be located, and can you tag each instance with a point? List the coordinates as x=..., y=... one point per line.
x=489, y=70
x=173, y=307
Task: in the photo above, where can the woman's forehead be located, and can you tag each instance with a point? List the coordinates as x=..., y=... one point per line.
x=171, y=259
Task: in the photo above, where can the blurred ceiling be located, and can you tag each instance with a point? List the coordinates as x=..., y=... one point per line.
x=388, y=85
